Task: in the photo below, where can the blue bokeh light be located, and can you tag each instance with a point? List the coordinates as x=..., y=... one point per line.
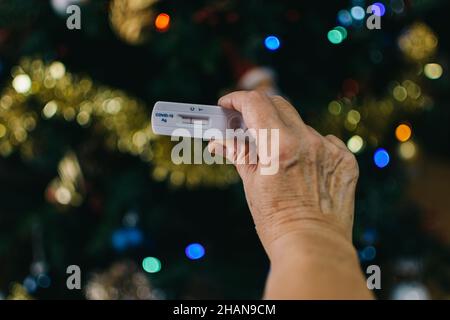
x=272, y=43
x=381, y=158
x=30, y=284
x=370, y=236
x=358, y=13
x=43, y=281
x=125, y=238
x=381, y=9
x=195, y=251
x=368, y=253
x=344, y=18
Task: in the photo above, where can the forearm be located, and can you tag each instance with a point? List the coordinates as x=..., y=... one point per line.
x=315, y=265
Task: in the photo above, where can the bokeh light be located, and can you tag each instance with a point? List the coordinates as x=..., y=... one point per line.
x=30, y=284
x=403, y=132
x=353, y=117
x=43, y=281
x=355, y=144
x=272, y=43
x=151, y=265
x=400, y=93
x=22, y=83
x=398, y=6
x=335, y=37
x=433, y=71
x=358, y=13
x=195, y=251
x=334, y=107
x=381, y=9
x=344, y=17
x=343, y=32
x=50, y=109
x=381, y=158
x=368, y=253
x=57, y=70
x=407, y=150
x=410, y=291
x=162, y=22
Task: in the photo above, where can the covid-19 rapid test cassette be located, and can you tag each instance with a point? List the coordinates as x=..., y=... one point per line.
x=195, y=119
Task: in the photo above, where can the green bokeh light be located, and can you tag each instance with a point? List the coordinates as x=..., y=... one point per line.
x=342, y=31
x=335, y=37
x=151, y=265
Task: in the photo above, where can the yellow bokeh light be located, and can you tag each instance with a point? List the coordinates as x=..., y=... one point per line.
x=57, y=70
x=2, y=130
x=83, y=118
x=400, y=93
x=403, y=132
x=353, y=117
x=407, y=150
x=433, y=71
x=22, y=83
x=63, y=195
x=50, y=109
x=355, y=144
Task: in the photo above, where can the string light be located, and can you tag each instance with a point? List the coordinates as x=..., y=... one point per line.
x=353, y=117
x=195, y=251
x=57, y=70
x=334, y=107
x=50, y=109
x=162, y=22
x=151, y=265
x=368, y=253
x=381, y=9
x=398, y=6
x=43, y=281
x=342, y=31
x=22, y=83
x=358, y=13
x=355, y=144
x=344, y=17
x=272, y=43
x=400, y=93
x=381, y=158
x=335, y=37
x=407, y=150
x=403, y=132
x=433, y=71
x=418, y=42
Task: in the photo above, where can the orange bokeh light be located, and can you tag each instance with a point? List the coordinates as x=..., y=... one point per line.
x=403, y=132
x=162, y=22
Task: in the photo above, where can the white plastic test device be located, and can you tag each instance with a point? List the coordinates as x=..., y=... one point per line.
x=195, y=118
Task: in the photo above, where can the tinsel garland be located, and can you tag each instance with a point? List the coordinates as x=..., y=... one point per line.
x=123, y=120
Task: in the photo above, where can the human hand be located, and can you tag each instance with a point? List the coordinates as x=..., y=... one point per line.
x=314, y=189
x=304, y=212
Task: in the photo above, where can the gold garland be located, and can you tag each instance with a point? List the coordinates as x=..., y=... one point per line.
x=123, y=120
x=368, y=122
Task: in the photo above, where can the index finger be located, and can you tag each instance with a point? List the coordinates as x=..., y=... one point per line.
x=256, y=108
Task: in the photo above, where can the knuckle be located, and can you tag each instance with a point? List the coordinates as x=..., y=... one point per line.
x=255, y=95
x=277, y=98
x=350, y=164
x=314, y=143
